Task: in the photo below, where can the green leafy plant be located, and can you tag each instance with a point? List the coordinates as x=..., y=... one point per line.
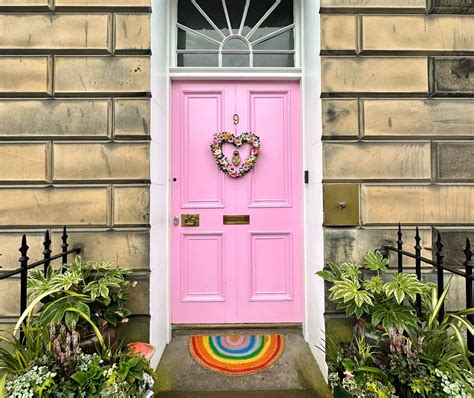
x=382, y=302
x=97, y=290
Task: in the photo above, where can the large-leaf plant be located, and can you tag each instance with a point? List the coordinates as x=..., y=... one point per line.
x=97, y=289
x=362, y=292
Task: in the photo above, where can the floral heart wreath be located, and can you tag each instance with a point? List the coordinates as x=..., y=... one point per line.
x=219, y=139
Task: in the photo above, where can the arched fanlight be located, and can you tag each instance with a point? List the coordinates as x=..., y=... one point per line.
x=235, y=33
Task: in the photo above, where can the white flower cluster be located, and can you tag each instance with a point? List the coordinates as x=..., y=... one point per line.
x=24, y=386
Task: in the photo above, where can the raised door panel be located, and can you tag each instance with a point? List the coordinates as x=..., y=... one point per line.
x=202, y=183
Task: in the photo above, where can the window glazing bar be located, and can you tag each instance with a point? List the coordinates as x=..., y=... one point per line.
x=194, y=32
x=208, y=19
x=244, y=17
x=224, y=5
x=273, y=34
x=265, y=16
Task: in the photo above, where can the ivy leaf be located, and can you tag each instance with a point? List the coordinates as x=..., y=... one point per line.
x=350, y=270
x=404, y=284
x=393, y=314
x=374, y=285
x=374, y=261
x=327, y=276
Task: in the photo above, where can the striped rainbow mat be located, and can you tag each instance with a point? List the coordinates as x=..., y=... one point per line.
x=236, y=354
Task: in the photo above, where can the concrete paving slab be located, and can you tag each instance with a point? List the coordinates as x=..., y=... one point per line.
x=295, y=373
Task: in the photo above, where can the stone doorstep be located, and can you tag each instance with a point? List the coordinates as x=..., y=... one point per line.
x=296, y=374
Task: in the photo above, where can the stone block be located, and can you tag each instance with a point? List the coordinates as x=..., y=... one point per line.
x=453, y=75
x=419, y=117
x=136, y=329
x=132, y=32
x=85, y=32
x=341, y=204
x=374, y=75
x=102, y=75
x=10, y=303
x=102, y=4
x=374, y=4
x=452, y=6
x=107, y=161
x=417, y=33
x=37, y=5
x=24, y=162
x=373, y=161
x=456, y=161
x=55, y=118
x=454, y=241
x=342, y=245
x=139, y=301
x=131, y=205
x=10, y=242
x=422, y=204
x=29, y=75
x=338, y=33
x=132, y=118
x=340, y=118
x=51, y=206
x=127, y=249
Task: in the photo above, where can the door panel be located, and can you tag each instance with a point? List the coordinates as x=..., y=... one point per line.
x=236, y=273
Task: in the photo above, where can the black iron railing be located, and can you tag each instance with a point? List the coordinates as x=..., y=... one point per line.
x=464, y=270
x=46, y=262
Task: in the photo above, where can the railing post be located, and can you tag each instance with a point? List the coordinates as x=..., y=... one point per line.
x=440, y=271
x=469, y=295
x=23, y=277
x=64, y=247
x=400, y=248
x=418, y=268
x=46, y=252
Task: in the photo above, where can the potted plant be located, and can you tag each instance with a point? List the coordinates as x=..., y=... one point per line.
x=97, y=289
x=417, y=356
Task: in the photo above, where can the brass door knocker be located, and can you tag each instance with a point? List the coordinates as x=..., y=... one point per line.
x=236, y=158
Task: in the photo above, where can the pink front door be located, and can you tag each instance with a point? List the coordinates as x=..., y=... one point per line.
x=246, y=273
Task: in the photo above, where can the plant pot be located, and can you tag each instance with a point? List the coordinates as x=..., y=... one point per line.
x=89, y=342
x=339, y=392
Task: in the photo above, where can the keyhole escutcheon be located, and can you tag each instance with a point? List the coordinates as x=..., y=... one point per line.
x=236, y=119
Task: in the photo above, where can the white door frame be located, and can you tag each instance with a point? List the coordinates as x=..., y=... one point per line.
x=308, y=72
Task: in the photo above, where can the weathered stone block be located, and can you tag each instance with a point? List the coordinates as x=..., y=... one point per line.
x=452, y=6
x=131, y=205
x=454, y=241
x=10, y=242
x=352, y=244
x=428, y=117
x=24, y=162
x=368, y=161
x=51, y=206
x=417, y=33
x=139, y=301
x=25, y=75
x=341, y=4
x=10, y=303
x=453, y=75
x=127, y=249
x=428, y=205
x=374, y=75
x=95, y=162
x=456, y=161
x=55, y=31
x=10, y=5
x=54, y=118
x=338, y=32
x=341, y=204
x=340, y=118
x=102, y=4
x=102, y=75
x=132, y=32
x=132, y=117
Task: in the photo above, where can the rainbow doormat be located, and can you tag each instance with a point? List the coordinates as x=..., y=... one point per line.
x=237, y=354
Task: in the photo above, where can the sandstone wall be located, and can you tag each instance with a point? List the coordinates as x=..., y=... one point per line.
x=398, y=124
x=74, y=134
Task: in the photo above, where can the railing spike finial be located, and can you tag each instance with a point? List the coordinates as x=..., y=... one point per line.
x=24, y=248
x=417, y=236
x=46, y=252
x=468, y=250
x=439, y=245
x=64, y=246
